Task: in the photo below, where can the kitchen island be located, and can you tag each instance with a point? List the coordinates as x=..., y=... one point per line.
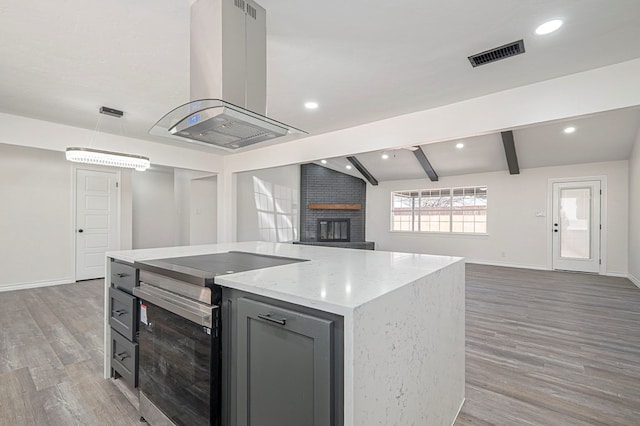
x=403, y=317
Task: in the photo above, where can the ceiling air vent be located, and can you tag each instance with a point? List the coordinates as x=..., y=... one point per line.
x=502, y=52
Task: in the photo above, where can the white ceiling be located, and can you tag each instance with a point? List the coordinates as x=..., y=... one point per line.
x=361, y=60
x=603, y=137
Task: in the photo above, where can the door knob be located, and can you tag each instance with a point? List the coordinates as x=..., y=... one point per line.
x=80, y=230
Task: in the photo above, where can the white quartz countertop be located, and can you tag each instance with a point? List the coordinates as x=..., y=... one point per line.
x=335, y=280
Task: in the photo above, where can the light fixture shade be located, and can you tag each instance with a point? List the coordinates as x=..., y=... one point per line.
x=107, y=158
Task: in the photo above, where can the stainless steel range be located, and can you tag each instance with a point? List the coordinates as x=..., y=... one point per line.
x=180, y=334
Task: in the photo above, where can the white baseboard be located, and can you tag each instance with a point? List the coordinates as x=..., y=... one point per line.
x=458, y=413
x=544, y=268
x=35, y=284
x=615, y=274
x=507, y=264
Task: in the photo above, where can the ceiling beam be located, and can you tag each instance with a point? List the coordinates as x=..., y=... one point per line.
x=428, y=169
x=363, y=170
x=510, y=152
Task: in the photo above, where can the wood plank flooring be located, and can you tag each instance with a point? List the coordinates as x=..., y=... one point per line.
x=551, y=348
x=51, y=359
x=543, y=348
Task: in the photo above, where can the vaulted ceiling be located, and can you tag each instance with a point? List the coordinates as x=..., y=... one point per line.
x=607, y=136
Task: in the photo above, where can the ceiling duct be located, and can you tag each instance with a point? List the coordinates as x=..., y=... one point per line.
x=498, y=53
x=228, y=79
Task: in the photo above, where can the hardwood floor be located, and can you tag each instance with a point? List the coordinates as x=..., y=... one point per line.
x=551, y=348
x=51, y=359
x=543, y=348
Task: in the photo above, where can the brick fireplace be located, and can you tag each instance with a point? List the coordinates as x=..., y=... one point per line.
x=332, y=208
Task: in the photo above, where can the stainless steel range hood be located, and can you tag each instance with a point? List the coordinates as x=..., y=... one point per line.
x=228, y=79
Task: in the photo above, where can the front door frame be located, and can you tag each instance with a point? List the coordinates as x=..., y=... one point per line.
x=603, y=218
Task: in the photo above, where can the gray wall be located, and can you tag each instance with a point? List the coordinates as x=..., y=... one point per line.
x=321, y=185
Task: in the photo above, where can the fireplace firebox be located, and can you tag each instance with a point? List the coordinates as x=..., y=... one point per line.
x=334, y=230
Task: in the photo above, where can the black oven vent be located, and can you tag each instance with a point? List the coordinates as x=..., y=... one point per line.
x=334, y=230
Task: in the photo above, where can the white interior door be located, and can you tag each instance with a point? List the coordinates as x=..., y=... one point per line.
x=576, y=226
x=96, y=221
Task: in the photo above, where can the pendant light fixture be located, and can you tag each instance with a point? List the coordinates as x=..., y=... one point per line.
x=107, y=158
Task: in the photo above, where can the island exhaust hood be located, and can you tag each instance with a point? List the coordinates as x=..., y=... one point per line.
x=228, y=79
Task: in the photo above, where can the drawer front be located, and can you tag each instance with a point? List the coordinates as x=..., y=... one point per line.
x=124, y=358
x=123, y=276
x=123, y=313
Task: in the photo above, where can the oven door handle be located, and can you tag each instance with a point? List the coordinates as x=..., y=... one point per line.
x=189, y=309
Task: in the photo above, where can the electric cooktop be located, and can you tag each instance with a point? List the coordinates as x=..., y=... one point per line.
x=202, y=269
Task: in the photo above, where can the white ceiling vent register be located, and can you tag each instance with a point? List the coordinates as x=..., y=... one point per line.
x=228, y=79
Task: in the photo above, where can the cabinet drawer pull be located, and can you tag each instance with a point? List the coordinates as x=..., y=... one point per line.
x=120, y=275
x=269, y=317
x=122, y=356
x=120, y=312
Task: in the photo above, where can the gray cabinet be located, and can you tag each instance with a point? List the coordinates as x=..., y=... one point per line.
x=123, y=318
x=124, y=358
x=283, y=363
x=284, y=360
x=123, y=313
x=123, y=276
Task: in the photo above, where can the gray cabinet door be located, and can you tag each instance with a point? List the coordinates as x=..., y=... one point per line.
x=284, y=366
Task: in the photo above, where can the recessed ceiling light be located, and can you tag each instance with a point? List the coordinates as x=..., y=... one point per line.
x=459, y=145
x=570, y=129
x=385, y=156
x=549, y=27
x=311, y=105
x=323, y=161
x=348, y=167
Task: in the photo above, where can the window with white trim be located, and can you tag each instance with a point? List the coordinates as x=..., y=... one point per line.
x=453, y=210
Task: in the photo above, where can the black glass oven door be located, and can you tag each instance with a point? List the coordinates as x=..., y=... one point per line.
x=179, y=366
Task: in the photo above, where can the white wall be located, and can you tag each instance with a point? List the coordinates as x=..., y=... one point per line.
x=204, y=214
x=195, y=207
x=153, y=209
x=276, y=186
x=174, y=207
x=37, y=217
x=37, y=213
x=634, y=213
x=182, y=207
x=515, y=235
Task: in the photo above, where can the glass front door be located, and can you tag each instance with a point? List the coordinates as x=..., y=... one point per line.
x=576, y=226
